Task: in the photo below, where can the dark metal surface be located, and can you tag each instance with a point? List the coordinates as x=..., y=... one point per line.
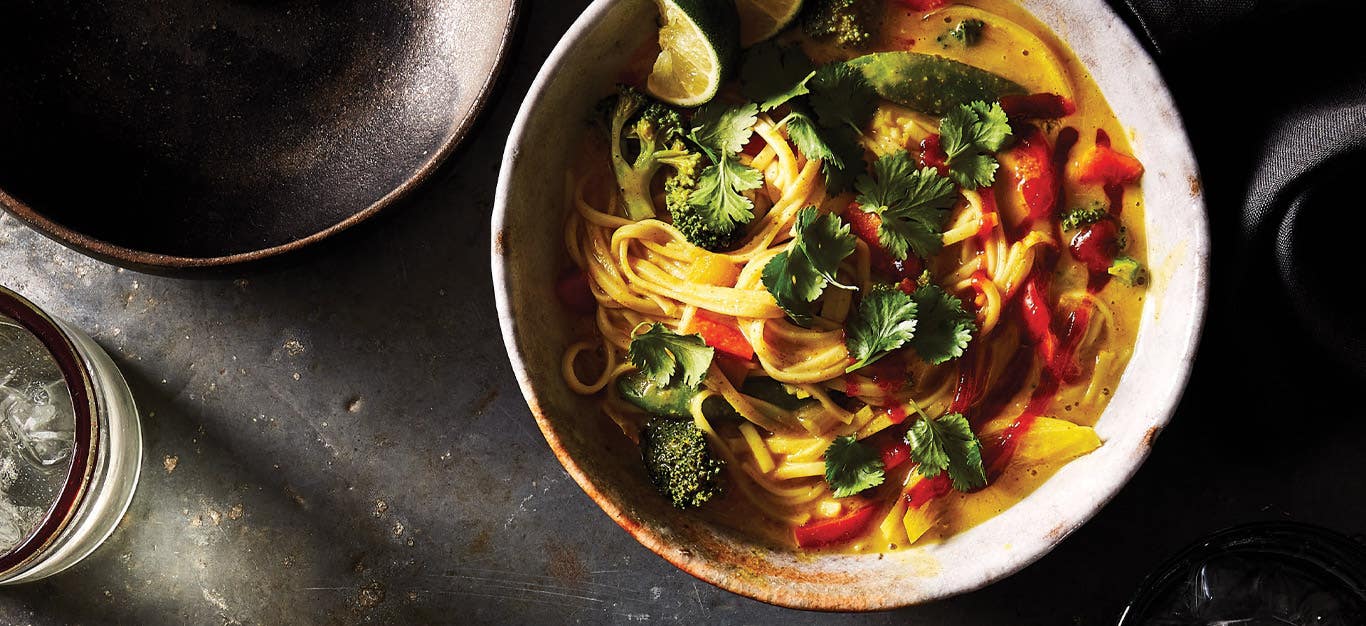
x=172, y=134
x=342, y=442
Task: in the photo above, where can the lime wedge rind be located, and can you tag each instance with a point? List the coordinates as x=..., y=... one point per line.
x=761, y=20
x=699, y=40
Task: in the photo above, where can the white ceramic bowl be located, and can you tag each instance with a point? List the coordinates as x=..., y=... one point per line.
x=528, y=256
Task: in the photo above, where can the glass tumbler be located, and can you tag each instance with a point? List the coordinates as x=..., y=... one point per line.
x=70, y=443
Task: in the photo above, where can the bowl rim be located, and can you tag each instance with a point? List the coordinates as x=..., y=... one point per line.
x=717, y=576
x=134, y=258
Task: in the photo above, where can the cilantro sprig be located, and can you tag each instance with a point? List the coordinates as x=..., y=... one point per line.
x=662, y=354
x=930, y=320
x=837, y=147
x=943, y=328
x=911, y=202
x=852, y=467
x=722, y=131
x=796, y=277
x=828, y=106
x=810, y=138
x=843, y=102
x=947, y=444
x=886, y=320
x=968, y=136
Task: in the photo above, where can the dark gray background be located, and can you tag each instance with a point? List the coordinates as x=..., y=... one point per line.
x=342, y=441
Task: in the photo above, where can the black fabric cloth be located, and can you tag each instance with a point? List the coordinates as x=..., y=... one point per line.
x=1273, y=95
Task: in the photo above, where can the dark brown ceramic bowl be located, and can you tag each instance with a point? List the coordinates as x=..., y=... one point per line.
x=168, y=136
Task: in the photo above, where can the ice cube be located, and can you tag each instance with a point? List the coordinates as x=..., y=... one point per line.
x=16, y=521
x=36, y=417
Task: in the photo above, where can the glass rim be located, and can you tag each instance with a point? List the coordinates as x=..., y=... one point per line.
x=1338, y=555
x=76, y=374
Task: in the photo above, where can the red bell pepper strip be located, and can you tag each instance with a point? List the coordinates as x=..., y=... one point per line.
x=865, y=225
x=927, y=489
x=894, y=453
x=1102, y=138
x=1038, y=106
x=1096, y=246
x=720, y=333
x=924, y=5
x=990, y=216
x=1038, y=317
x=969, y=387
x=824, y=532
x=1102, y=164
x=1038, y=183
x=932, y=155
x=574, y=292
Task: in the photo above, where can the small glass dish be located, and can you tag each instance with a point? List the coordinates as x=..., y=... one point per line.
x=70, y=443
x=1270, y=573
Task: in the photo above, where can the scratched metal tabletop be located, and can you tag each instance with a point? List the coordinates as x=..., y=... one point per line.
x=340, y=440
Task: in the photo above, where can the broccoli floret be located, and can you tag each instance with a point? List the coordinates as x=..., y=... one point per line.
x=1128, y=270
x=966, y=32
x=679, y=463
x=1076, y=218
x=653, y=133
x=703, y=233
x=699, y=230
x=850, y=23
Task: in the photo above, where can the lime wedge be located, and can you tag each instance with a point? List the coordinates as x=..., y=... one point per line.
x=698, y=43
x=760, y=20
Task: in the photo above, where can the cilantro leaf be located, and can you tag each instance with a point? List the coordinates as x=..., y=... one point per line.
x=838, y=148
x=978, y=125
x=947, y=443
x=798, y=275
x=723, y=130
x=966, y=134
x=885, y=187
x=661, y=353
x=825, y=240
x=844, y=142
x=719, y=197
x=912, y=204
x=842, y=96
x=885, y=321
x=972, y=172
x=809, y=138
x=790, y=280
x=851, y=467
x=944, y=328
x=772, y=74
